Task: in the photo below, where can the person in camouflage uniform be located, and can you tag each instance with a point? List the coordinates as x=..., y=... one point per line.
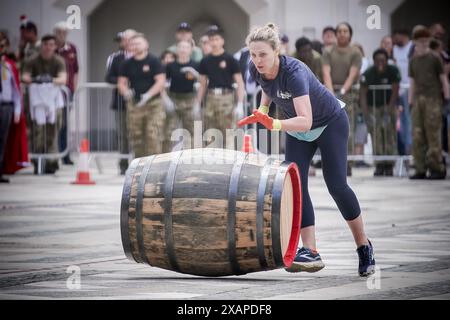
x=46, y=67
x=141, y=81
x=341, y=68
x=182, y=75
x=218, y=71
x=427, y=81
x=146, y=127
x=379, y=108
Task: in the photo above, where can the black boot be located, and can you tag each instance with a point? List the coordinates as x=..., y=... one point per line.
x=66, y=160
x=418, y=176
x=379, y=170
x=389, y=170
x=3, y=180
x=437, y=175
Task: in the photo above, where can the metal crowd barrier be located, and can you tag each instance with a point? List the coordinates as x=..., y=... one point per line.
x=97, y=121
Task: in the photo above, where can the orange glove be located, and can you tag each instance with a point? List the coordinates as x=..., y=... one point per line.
x=252, y=119
x=268, y=122
x=247, y=120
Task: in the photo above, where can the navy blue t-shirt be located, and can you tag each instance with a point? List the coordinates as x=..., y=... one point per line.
x=294, y=80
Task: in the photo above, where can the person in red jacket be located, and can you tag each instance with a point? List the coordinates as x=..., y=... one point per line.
x=13, y=139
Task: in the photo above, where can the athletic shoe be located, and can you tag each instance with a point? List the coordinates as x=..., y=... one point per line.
x=366, y=260
x=306, y=260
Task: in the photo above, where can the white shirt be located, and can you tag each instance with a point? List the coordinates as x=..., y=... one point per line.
x=401, y=56
x=44, y=100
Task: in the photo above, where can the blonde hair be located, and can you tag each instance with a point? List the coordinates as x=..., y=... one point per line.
x=269, y=34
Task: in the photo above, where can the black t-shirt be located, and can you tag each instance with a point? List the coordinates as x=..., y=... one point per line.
x=181, y=82
x=141, y=73
x=380, y=97
x=219, y=70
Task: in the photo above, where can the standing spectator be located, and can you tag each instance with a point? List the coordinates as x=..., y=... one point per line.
x=113, y=65
x=46, y=68
x=380, y=108
x=184, y=32
x=401, y=51
x=68, y=52
x=10, y=104
x=427, y=81
x=28, y=48
x=361, y=132
x=5, y=48
x=171, y=123
x=365, y=62
x=218, y=72
x=141, y=80
x=182, y=75
x=305, y=53
x=329, y=37
x=204, y=45
x=284, y=44
x=341, y=67
x=317, y=46
x=29, y=44
x=438, y=33
x=15, y=155
x=243, y=56
x=387, y=44
x=167, y=57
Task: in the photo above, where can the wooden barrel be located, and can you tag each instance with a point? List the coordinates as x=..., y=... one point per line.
x=211, y=212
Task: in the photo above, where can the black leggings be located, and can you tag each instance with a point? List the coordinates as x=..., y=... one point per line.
x=333, y=149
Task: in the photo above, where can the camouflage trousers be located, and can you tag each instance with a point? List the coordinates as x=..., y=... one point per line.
x=351, y=101
x=170, y=124
x=146, y=127
x=218, y=114
x=43, y=138
x=184, y=103
x=182, y=116
x=381, y=122
x=427, y=136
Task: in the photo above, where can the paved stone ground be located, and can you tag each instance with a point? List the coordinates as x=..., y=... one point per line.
x=48, y=225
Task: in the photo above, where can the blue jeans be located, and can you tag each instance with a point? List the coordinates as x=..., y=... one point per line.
x=405, y=134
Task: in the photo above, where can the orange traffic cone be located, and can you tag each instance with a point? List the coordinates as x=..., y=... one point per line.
x=83, y=176
x=248, y=146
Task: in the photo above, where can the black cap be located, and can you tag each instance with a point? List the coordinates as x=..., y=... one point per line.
x=184, y=26
x=213, y=30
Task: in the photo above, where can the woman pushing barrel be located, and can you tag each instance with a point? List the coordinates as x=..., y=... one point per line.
x=314, y=118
